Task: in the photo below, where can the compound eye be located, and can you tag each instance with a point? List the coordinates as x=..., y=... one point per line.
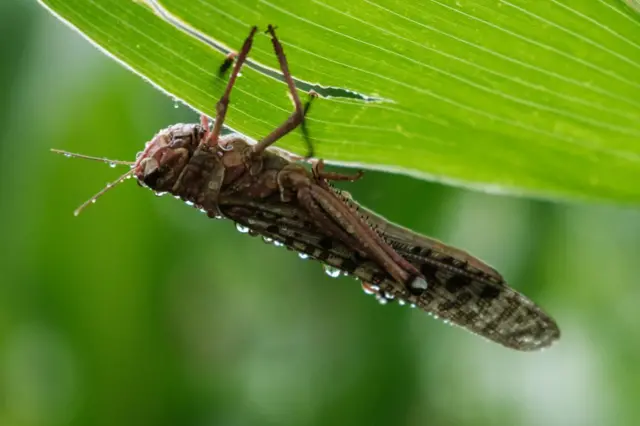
x=151, y=179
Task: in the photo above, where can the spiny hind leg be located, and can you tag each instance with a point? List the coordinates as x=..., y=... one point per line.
x=211, y=138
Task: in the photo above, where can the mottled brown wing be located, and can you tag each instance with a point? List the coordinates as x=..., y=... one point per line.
x=467, y=292
x=468, y=297
x=462, y=290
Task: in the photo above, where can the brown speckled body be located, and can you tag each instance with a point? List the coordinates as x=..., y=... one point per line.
x=260, y=193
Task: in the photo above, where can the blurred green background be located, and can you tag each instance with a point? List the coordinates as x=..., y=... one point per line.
x=141, y=311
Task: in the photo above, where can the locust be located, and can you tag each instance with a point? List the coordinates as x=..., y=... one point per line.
x=270, y=193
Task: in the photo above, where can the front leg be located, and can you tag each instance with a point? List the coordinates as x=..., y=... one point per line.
x=201, y=180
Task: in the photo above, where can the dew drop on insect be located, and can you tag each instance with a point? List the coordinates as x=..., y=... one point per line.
x=401, y=302
x=419, y=283
x=413, y=305
x=277, y=243
x=66, y=154
x=303, y=256
x=382, y=300
x=189, y=203
x=333, y=272
x=160, y=193
x=112, y=165
x=388, y=295
x=267, y=240
x=202, y=210
x=368, y=288
x=242, y=228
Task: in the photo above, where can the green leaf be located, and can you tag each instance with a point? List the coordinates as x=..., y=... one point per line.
x=537, y=98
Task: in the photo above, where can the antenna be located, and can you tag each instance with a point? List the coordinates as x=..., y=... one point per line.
x=109, y=186
x=112, y=163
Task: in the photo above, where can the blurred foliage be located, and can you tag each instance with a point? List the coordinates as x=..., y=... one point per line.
x=143, y=312
x=507, y=96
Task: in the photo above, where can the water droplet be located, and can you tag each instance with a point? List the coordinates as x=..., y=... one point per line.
x=388, y=295
x=112, y=165
x=160, y=193
x=242, y=228
x=277, y=243
x=401, y=302
x=382, y=300
x=189, y=203
x=267, y=240
x=202, y=210
x=93, y=201
x=332, y=271
x=413, y=305
x=303, y=256
x=419, y=283
x=66, y=154
x=176, y=104
x=368, y=290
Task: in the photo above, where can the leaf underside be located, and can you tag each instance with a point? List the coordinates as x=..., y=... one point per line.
x=534, y=98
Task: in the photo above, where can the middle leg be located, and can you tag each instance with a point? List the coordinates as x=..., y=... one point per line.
x=297, y=117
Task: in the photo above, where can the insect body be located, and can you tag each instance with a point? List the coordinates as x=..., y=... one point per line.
x=266, y=192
